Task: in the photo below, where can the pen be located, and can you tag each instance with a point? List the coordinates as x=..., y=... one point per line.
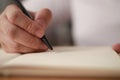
x=44, y=38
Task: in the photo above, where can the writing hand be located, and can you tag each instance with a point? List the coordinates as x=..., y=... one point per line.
x=18, y=33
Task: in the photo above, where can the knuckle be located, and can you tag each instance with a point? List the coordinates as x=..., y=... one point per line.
x=14, y=13
x=12, y=32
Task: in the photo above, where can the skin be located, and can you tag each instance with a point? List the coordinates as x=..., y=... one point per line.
x=116, y=47
x=20, y=34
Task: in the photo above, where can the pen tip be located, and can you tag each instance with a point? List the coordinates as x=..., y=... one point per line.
x=51, y=48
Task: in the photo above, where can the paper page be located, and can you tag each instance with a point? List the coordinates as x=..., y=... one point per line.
x=69, y=61
x=4, y=57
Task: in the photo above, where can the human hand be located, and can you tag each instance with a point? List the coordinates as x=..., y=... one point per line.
x=20, y=34
x=116, y=47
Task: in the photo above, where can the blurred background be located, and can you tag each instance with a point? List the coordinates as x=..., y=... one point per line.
x=81, y=22
x=59, y=31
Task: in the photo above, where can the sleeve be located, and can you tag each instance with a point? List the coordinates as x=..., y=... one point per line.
x=5, y=3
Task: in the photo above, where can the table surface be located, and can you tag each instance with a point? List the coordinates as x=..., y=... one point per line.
x=55, y=78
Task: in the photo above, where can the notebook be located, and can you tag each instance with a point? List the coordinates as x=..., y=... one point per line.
x=64, y=61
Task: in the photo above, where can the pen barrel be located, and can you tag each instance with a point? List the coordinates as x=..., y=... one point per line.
x=45, y=40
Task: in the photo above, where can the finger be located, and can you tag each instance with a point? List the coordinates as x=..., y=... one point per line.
x=22, y=37
x=116, y=47
x=43, y=17
x=11, y=46
x=17, y=17
x=16, y=48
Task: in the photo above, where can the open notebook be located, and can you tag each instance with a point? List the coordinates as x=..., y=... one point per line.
x=63, y=61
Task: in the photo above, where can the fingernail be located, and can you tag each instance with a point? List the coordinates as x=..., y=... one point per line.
x=40, y=31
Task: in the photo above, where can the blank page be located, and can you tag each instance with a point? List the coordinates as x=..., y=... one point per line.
x=75, y=61
x=4, y=57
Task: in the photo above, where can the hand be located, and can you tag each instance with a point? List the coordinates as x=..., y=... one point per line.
x=116, y=47
x=20, y=34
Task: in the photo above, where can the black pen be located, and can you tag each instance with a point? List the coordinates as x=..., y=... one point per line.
x=44, y=39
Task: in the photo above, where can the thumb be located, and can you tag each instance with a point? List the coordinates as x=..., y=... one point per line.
x=43, y=18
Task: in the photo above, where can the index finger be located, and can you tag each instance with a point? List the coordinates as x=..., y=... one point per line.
x=17, y=17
